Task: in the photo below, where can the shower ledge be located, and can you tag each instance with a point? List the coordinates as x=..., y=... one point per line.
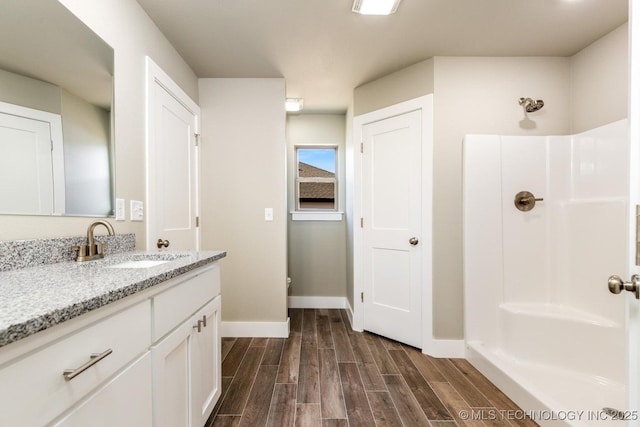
x=559, y=311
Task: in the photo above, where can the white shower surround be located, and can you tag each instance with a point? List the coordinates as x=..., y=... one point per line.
x=539, y=319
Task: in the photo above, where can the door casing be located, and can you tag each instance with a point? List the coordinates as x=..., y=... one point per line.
x=425, y=103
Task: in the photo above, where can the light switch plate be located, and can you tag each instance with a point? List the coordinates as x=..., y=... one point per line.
x=120, y=214
x=268, y=214
x=137, y=210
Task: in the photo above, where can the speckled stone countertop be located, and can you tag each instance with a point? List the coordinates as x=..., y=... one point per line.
x=36, y=298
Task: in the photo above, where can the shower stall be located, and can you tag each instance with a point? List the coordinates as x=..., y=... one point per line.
x=544, y=228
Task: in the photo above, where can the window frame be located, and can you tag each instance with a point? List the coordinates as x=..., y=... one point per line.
x=299, y=179
x=314, y=213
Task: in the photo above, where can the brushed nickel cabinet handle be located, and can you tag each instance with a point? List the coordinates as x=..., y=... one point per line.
x=70, y=374
x=198, y=326
x=204, y=321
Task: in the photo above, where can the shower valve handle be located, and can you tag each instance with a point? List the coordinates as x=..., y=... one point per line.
x=525, y=201
x=617, y=285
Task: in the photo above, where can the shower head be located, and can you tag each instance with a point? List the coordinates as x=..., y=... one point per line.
x=530, y=105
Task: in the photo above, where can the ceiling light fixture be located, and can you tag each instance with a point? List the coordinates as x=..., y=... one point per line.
x=375, y=7
x=293, y=104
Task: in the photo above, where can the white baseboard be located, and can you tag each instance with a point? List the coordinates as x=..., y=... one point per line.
x=318, y=302
x=444, y=348
x=255, y=329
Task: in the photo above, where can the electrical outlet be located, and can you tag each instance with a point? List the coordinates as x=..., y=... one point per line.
x=120, y=214
x=137, y=210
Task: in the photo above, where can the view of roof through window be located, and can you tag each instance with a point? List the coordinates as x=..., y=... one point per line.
x=316, y=181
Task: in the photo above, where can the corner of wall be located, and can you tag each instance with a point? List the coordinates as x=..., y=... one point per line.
x=599, y=81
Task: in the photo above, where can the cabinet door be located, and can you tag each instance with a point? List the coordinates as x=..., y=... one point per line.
x=170, y=359
x=205, y=363
x=123, y=401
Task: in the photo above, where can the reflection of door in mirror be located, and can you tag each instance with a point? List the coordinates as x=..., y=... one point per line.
x=83, y=178
x=31, y=160
x=52, y=62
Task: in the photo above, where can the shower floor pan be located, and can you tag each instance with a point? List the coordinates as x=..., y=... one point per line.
x=552, y=396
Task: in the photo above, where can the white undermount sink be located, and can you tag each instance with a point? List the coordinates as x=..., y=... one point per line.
x=142, y=263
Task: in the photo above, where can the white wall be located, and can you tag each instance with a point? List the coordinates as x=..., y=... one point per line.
x=599, y=81
x=31, y=93
x=127, y=28
x=317, y=249
x=243, y=172
x=403, y=85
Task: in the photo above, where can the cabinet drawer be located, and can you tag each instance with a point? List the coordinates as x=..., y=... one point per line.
x=33, y=389
x=173, y=306
x=123, y=401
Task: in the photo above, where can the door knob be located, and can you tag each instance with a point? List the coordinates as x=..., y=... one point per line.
x=163, y=243
x=413, y=241
x=617, y=285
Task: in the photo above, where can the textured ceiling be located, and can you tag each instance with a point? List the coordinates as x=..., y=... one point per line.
x=323, y=50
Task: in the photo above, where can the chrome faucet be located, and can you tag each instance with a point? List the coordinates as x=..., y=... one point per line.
x=93, y=250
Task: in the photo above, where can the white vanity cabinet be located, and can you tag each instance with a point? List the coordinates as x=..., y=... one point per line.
x=159, y=361
x=186, y=360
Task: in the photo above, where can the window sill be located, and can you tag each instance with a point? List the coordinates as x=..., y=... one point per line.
x=316, y=216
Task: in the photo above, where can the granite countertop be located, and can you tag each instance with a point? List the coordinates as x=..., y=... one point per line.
x=36, y=298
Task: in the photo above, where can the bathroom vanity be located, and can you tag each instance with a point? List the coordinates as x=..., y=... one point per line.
x=132, y=339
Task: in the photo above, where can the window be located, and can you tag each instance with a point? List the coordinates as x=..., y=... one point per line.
x=316, y=184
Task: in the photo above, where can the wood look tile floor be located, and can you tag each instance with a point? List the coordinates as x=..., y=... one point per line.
x=327, y=375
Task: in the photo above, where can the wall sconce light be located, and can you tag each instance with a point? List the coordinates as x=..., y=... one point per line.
x=293, y=104
x=375, y=7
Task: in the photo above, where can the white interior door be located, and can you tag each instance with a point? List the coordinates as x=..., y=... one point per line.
x=31, y=161
x=172, y=166
x=633, y=305
x=392, y=227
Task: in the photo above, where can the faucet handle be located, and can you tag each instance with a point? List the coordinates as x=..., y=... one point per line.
x=100, y=248
x=82, y=252
x=80, y=249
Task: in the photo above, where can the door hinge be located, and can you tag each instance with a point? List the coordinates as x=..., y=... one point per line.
x=197, y=135
x=637, y=234
x=361, y=296
x=361, y=222
x=197, y=221
x=51, y=144
x=362, y=147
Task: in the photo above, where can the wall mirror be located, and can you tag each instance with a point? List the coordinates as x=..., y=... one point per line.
x=56, y=115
